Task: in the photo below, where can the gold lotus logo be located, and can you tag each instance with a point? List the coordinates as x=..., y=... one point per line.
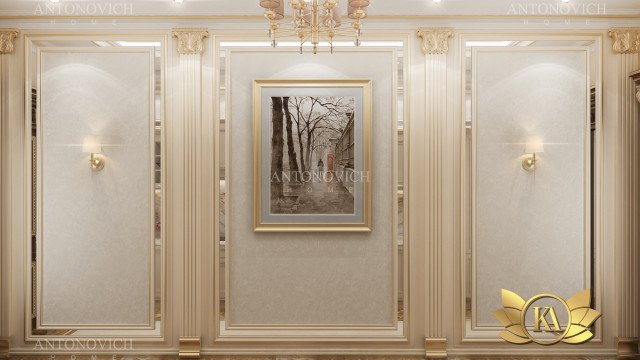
x=520, y=321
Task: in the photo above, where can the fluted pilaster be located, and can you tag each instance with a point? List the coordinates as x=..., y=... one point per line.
x=435, y=46
x=626, y=43
x=190, y=46
x=7, y=47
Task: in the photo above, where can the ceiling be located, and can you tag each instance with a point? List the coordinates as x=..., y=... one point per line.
x=377, y=8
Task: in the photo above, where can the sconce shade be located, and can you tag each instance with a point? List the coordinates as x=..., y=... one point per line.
x=534, y=145
x=271, y=4
x=91, y=145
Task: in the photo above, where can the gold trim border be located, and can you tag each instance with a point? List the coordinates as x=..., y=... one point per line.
x=599, y=272
x=40, y=183
x=366, y=86
x=29, y=37
x=349, y=333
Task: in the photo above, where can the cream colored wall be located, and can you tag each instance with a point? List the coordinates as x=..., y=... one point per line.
x=342, y=279
x=101, y=222
x=529, y=223
x=435, y=163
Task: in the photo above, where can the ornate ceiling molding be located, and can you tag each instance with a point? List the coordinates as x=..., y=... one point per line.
x=435, y=40
x=625, y=40
x=190, y=40
x=7, y=37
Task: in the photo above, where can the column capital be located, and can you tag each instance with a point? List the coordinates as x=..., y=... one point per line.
x=190, y=40
x=7, y=37
x=625, y=40
x=435, y=40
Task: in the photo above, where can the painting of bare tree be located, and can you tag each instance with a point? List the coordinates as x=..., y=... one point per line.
x=316, y=134
x=312, y=162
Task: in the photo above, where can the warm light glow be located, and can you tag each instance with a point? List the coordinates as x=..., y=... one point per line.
x=54, y=1
x=91, y=145
x=178, y=1
x=437, y=1
x=534, y=145
x=565, y=1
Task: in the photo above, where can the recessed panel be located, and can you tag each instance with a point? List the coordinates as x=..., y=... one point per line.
x=95, y=221
x=307, y=279
x=530, y=174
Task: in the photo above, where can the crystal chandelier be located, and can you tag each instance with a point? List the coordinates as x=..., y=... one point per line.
x=314, y=22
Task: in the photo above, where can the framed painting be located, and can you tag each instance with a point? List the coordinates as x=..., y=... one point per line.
x=312, y=155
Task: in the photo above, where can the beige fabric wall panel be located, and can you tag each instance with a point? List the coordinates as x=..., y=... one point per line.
x=307, y=279
x=95, y=234
x=530, y=227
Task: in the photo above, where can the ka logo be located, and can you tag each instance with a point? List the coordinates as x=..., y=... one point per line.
x=547, y=319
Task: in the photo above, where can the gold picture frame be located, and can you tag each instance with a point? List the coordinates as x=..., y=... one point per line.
x=332, y=123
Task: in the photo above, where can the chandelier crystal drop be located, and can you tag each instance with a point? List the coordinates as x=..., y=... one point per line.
x=313, y=22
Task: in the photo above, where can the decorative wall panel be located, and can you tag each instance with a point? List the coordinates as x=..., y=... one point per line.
x=529, y=225
x=310, y=279
x=95, y=228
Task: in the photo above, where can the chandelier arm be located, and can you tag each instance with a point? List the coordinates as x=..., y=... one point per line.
x=314, y=23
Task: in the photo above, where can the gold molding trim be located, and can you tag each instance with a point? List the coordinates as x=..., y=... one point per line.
x=435, y=40
x=628, y=348
x=190, y=40
x=435, y=348
x=189, y=348
x=7, y=37
x=625, y=40
x=5, y=345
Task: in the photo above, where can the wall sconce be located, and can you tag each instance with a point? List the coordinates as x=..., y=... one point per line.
x=534, y=145
x=92, y=146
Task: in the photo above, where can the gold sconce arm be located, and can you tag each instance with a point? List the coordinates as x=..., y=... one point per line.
x=96, y=162
x=529, y=162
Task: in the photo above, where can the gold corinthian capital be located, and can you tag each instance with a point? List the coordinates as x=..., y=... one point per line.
x=190, y=40
x=7, y=37
x=625, y=40
x=435, y=40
